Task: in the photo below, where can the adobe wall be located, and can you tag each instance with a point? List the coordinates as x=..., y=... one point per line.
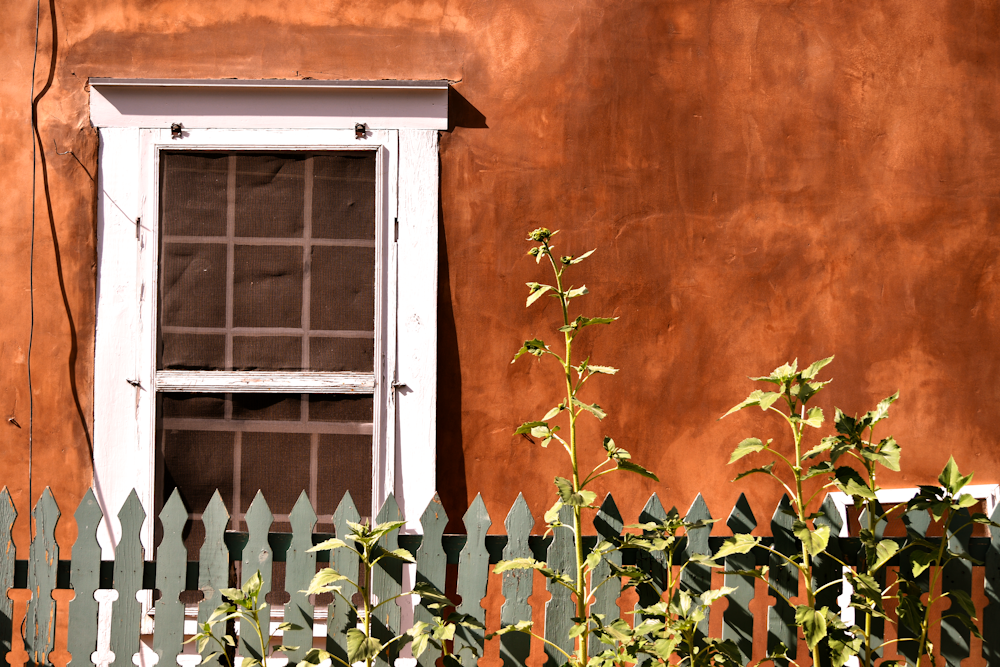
x=762, y=181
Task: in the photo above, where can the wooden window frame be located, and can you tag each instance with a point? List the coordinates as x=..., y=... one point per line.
x=134, y=118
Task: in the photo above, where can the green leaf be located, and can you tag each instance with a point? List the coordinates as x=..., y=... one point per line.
x=813, y=624
x=581, y=498
x=210, y=656
x=965, y=500
x=361, y=647
x=552, y=413
x=535, y=291
x=419, y=644
x=579, y=291
x=286, y=626
x=881, y=411
x=624, y=464
x=382, y=529
x=748, y=446
x=533, y=346
x=765, y=470
x=605, y=370
x=738, y=544
x=814, y=368
x=886, y=454
x=752, y=399
x=284, y=648
x=552, y=514
x=885, y=550
x=850, y=482
x=593, y=408
x=951, y=479
x=400, y=554
x=824, y=446
x=577, y=260
x=430, y=594
x=314, y=656
x=921, y=560
x=964, y=601
x=814, y=540
x=814, y=417
x=329, y=545
x=253, y=584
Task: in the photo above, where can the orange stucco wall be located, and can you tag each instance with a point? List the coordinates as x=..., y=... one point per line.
x=763, y=180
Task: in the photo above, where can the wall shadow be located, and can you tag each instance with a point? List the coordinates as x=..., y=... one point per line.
x=461, y=113
x=450, y=454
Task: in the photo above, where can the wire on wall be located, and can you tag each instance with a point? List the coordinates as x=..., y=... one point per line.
x=31, y=253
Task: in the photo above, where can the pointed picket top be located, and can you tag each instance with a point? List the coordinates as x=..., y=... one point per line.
x=827, y=571
x=213, y=561
x=653, y=510
x=609, y=525
x=85, y=577
x=303, y=516
x=125, y=611
x=171, y=569
x=737, y=621
x=517, y=584
x=389, y=510
x=7, y=558
x=174, y=515
x=698, y=537
x=43, y=555
x=346, y=511
x=257, y=557
x=473, y=572
x=784, y=579
x=473, y=561
x=608, y=521
x=432, y=561
x=300, y=566
x=879, y=525
x=741, y=519
x=432, y=564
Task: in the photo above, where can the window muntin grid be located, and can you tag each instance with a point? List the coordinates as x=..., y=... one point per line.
x=267, y=263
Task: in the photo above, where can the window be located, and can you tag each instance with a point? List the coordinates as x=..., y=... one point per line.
x=266, y=293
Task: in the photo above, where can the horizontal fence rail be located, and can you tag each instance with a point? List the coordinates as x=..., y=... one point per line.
x=229, y=558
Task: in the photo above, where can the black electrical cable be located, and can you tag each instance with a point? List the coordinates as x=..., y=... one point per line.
x=31, y=254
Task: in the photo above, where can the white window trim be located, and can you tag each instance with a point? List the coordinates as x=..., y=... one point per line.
x=401, y=122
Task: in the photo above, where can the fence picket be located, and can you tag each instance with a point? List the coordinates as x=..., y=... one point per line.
x=473, y=571
x=44, y=555
x=737, y=621
x=609, y=525
x=340, y=616
x=917, y=524
x=257, y=557
x=991, y=614
x=517, y=584
x=126, y=609
x=7, y=559
x=432, y=564
x=560, y=608
x=956, y=578
x=653, y=564
x=784, y=579
x=84, y=577
x=300, y=566
x=213, y=564
x=387, y=582
x=697, y=578
x=171, y=562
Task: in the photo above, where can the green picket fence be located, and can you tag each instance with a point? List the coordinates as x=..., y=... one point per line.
x=257, y=549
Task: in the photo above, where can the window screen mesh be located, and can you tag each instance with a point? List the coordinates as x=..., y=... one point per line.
x=280, y=444
x=267, y=261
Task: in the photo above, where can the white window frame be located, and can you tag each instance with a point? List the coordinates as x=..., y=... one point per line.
x=401, y=122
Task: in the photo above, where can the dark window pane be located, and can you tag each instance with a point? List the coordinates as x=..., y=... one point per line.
x=197, y=463
x=277, y=464
x=272, y=353
x=193, y=285
x=340, y=407
x=182, y=404
x=193, y=196
x=345, y=464
x=270, y=195
x=192, y=351
x=344, y=196
x=281, y=407
x=267, y=288
x=342, y=354
x=343, y=288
